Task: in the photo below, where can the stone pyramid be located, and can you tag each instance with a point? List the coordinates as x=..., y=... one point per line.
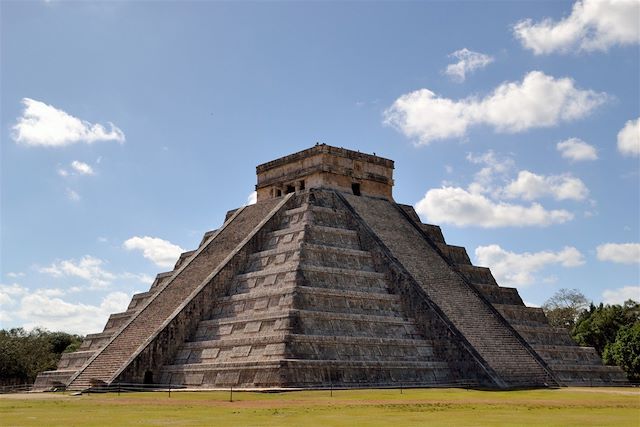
x=327, y=282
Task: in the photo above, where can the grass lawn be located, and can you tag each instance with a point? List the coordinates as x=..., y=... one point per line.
x=561, y=407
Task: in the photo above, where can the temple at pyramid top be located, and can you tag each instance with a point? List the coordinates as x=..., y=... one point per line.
x=324, y=166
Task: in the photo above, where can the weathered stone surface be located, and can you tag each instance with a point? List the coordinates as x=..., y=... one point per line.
x=322, y=288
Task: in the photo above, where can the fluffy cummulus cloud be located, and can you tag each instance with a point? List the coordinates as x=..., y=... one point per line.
x=161, y=252
x=577, y=150
x=538, y=101
x=530, y=186
x=622, y=253
x=47, y=308
x=88, y=268
x=592, y=25
x=46, y=126
x=468, y=61
x=620, y=295
x=517, y=269
x=457, y=206
x=488, y=201
x=629, y=138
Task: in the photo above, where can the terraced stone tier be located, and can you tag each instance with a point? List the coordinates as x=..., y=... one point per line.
x=477, y=275
x=522, y=315
x=455, y=254
x=74, y=360
x=150, y=320
x=499, y=294
x=309, y=294
x=489, y=334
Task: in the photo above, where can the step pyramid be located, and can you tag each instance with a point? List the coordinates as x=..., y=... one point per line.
x=327, y=282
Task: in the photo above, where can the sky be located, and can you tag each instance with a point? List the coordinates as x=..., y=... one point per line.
x=129, y=129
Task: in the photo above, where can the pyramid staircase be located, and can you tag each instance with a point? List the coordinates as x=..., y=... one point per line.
x=571, y=365
x=169, y=311
x=310, y=310
x=323, y=289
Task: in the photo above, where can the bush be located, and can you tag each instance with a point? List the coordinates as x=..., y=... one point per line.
x=23, y=355
x=625, y=351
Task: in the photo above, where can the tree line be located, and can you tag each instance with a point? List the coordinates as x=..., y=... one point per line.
x=612, y=329
x=24, y=354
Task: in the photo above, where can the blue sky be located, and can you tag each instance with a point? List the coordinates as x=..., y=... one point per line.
x=130, y=128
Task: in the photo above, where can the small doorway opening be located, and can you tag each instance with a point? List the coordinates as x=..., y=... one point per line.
x=355, y=187
x=290, y=189
x=148, y=378
x=278, y=193
x=301, y=184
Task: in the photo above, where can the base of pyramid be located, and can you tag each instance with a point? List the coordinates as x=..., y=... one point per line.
x=306, y=374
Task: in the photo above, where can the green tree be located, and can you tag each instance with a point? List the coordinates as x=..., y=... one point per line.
x=599, y=325
x=625, y=351
x=564, y=307
x=23, y=355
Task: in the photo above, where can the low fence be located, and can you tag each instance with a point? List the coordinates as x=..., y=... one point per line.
x=19, y=388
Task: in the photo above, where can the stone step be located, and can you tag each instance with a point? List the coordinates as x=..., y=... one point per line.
x=544, y=335
x=332, y=236
x=175, y=293
x=477, y=275
x=183, y=258
x=160, y=280
x=331, y=256
x=434, y=232
x=230, y=341
x=300, y=373
x=290, y=287
x=377, y=364
x=137, y=300
x=499, y=294
x=455, y=254
x=522, y=315
x=571, y=354
x=469, y=314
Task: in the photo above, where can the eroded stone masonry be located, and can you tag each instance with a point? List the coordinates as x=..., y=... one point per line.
x=327, y=282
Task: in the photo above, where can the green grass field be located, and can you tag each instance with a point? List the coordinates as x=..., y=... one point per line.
x=418, y=407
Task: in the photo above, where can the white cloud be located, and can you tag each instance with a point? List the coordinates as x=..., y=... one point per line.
x=82, y=168
x=592, y=25
x=530, y=186
x=53, y=313
x=162, y=252
x=63, y=172
x=494, y=167
x=620, y=295
x=629, y=138
x=91, y=270
x=44, y=125
x=485, y=202
x=88, y=268
x=538, y=101
x=14, y=275
x=8, y=293
x=72, y=195
x=252, y=198
x=514, y=269
x=622, y=253
x=140, y=277
x=457, y=206
x=577, y=150
x=468, y=61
